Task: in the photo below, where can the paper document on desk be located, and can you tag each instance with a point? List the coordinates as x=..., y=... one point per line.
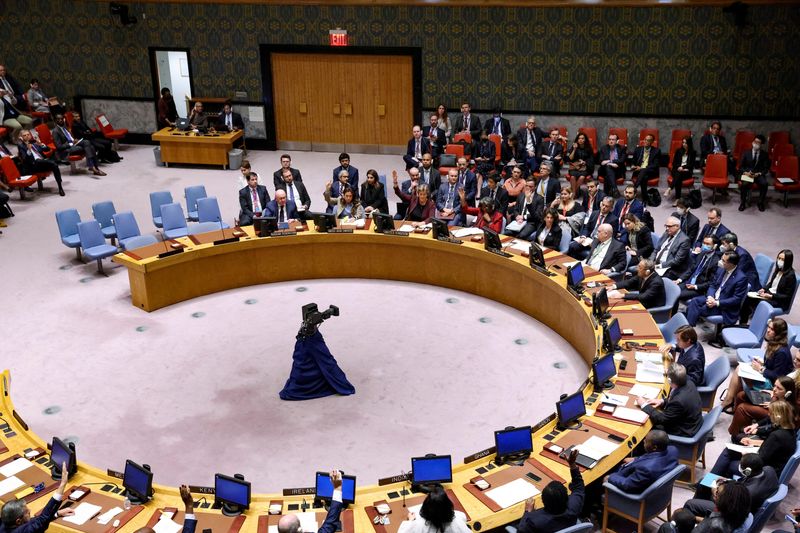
x=360, y=223
x=744, y=450
x=650, y=373
x=596, y=448
x=84, y=512
x=308, y=522
x=754, y=294
x=660, y=270
x=614, y=399
x=520, y=246
x=651, y=357
x=746, y=371
x=106, y=517
x=406, y=227
x=426, y=226
x=15, y=467
x=10, y=484
x=512, y=493
x=645, y=391
x=413, y=509
x=167, y=525
x=467, y=232
x=634, y=415
x=514, y=226
x=272, y=529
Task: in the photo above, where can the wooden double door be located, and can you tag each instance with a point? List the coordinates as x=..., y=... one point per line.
x=340, y=102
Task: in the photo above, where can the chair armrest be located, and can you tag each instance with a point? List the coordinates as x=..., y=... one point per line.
x=619, y=492
x=684, y=440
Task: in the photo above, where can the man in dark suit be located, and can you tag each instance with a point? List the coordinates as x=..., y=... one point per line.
x=547, y=185
x=417, y=146
x=672, y=250
x=530, y=138
x=592, y=197
x=352, y=172
x=448, y=205
x=612, y=164
x=551, y=150
x=495, y=192
x=579, y=248
x=702, y=272
x=497, y=125
x=690, y=224
x=430, y=174
x=66, y=144
x=528, y=211
x=295, y=192
x=645, y=164
x=753, y=169
x=228, y=120
x=637, y=474
x=290, y=523
x=730, y=242
x=724, y=296
x=252, y=200
x=436, y=136
x=339, y=185
x=607, y=254
x=714, y=227
x=32, y=159
x=680, y=414
x=647, y=282
x=467, y=122
x=688, y=352
x=559, y=510
x=281, y=208
x=627, y=204
x=189, y=519
x=286, y=163
x=16, y=517
x=467, y=180
x=712, y=142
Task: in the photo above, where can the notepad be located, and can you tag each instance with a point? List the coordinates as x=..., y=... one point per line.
x=308, y=522
x=406, y=227
x=634, y=415
x=744, y=450
x=84, y=512
x=360, y=223
x=520, y=246
x=106, y=517
x=514, y=226
x=785, y=180
x=709, y=480
x=15, y=467
x=10, y=484
x=167, y=525
x=754, y=294
x=596, y=448
x=645, y=391
x=512, y=493
x=746, y=371
x=649, y=373
x=466, y=232
x=652, y=357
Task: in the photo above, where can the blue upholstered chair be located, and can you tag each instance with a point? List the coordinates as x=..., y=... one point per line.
x=126, y=226
x=764, y=265
x=566, y=238
x=768, y=509
x=753, y=335
x=138, y=241
x=641, y=508
x=208, y=211
x=203, y=227
x=669, y=327
x=67, y=221
x=94, y=243
x=103, y=212
x=661, y=314
x=192, y=194
x=157, y=199
x=692, y=449
x=714, y=375
x=580, y=527
x=173, y=222
x=791, y=466
x=788, y=308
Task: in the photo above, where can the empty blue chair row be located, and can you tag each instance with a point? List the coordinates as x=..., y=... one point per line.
x=94, y=244
x=192, y=194
x=103, y=213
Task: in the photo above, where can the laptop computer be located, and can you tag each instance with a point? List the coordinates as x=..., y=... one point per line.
x=182, y=124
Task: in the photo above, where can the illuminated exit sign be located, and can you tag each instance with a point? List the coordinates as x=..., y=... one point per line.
x=338, y=37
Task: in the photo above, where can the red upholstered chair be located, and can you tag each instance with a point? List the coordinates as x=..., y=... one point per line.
x=498, y=144
x=3, y=132
x=678, y=135
x=787, y=168
x=591, y=133
x=777, y=153
x=42, y=116
x=716, y=174
x=621, y=133
x=644, y=132
x=778, y=137
x=15, y=181
x=47, y=138
x=463, y=136
x=108, y=131
x=743, y=141
x=674, y=147
x=455, y=149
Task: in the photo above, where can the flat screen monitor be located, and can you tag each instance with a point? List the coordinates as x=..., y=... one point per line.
x=491, y=240
x=570, y=409
x=233, y=493
x=575, y=275
x=440, y=228
x=612, y=334
x=323, y=488
x=536, y=256
x=513, y=442
x=603, y=370
x=264, y=226
x=383, y=222
x=138, y=481
x=323, y=221
x=600, y=303
x=429, y=470
x=60, y=453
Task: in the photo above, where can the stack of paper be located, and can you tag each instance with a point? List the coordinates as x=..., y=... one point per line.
x=406, y=227
x=106, y=517
x=744, y=450
x=614, y=399
x=520, y=246
x=650, y=357
x=634, y=415
x=512, y=493
x=650, y=372
x=165, y=524
x=15, y=467
x=645, y=391
x=10, y=484
x=746, y=371
x=85, y=512
x=596, y=448
x=360, y=223
x=467, y=232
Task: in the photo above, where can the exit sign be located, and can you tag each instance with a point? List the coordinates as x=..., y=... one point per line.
x=338, y=37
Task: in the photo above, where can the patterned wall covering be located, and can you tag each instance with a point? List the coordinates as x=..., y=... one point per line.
x=633, y=60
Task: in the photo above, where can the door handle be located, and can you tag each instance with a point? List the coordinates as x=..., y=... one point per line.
x=337, y=109
x=348, y=109
x=303, y=108
x=381, y=110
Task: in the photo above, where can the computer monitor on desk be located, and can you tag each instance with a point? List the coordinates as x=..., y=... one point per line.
x=575, y=277
x=323, y=221
x=513, y=444
x=60, y=453
x=383, y=222
x=323, y=488
x=138, y=482
x=264, y=226
x=429, y=470
x=232, y=493
x=491, y=240
x=600, y=304
x=612, y=334
x=569, y=410
x=603, y=369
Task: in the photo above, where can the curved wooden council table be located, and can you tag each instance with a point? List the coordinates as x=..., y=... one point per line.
x=203, y=269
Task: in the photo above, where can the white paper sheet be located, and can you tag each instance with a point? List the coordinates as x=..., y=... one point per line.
x=10, y=484
x=596, y=448
x=414, y=509
x=167, y=525
x=754, y=294
x=747, y=372
x=651, y=357
x=614, y=399
x=744, y=450
x=634, y=415
x=649, y=373
x=106, y=517
x=520, y=246
x=661, y=270
x=645, y=391
x=15, y=467
x=360, y=223
x=272, y=529
x=308, y=522
x=467, y=232
x=83, y=512
x=514, y=225
x=785, y=180
x=406, y=227
x=512, y=493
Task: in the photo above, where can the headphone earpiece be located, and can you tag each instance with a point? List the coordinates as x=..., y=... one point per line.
x=788, y=393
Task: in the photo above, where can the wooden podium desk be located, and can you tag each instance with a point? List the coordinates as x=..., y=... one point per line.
x=187, y=147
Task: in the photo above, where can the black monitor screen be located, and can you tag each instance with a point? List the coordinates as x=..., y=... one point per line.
x=137, y=479
x=513, y=441
x=575, y=274
x=601, y=303
x=264, y=226
x=324, y=487
x=323, y=221
x=437, y=469
x=491, y=240
x=61, y=453
x=614, y=332
x=440, y=228
x=604, y=369
x=536, y=256
x=383, y=222
x=232, y=491
x=570, y=408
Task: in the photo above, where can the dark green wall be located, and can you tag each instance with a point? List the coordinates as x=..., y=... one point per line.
x=661, y=60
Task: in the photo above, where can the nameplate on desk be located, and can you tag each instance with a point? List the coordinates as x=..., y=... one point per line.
x=226, y=241
x=543, y=423
x=340, y=230
x=162, y=255
x=283, y=233
x=20, y=420
x=393, y=479
x=299, y=491
x=451, y=240
x=396, y=232
x=115, y=474
x=201, y=490
x=480, y=455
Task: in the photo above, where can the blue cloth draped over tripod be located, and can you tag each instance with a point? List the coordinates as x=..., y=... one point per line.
x=315, y=373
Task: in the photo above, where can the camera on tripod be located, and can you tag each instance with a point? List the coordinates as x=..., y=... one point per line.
x=312, y=316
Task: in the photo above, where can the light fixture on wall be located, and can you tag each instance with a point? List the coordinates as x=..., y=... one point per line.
x=121, y=11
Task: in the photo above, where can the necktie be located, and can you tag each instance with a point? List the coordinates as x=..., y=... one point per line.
x=716, y=144
x=600, y=221
x=36, y=153
x=646, y=158
x=683, y=224
x=497, y=126
x=492, y=193
x=663, y=250
x=449, y=202
x=69, y=136
x=596, y=252
x=613, y=154
x=291, y=192
x=460, y=179
x=256, y=206
x=624, y=211
x=541, y=188
x=699, y=269
x=714, y=230
x=552, y=148
x=280, y=215
x=466, y=123
x=755, y=157
x=417, y=151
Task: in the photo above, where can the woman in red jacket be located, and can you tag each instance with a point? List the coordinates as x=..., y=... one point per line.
x=488, y=216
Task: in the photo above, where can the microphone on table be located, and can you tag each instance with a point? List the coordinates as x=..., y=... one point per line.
x=221, y=225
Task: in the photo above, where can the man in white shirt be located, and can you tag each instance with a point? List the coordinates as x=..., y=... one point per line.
x=607, y=254
x=290, y=523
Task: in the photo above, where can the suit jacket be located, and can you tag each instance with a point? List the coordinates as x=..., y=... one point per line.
x=707, y=146
x=651, y=290
x=236, y=118
x=305, y=199
x=721, y=230
x=551, y=190
x=636, y=207
x=532, y=212
x=474, y=125
x=544, y=150
x=425, y=147
x=246, y=199
x=500, y=198
x=442, y=197
x=681, y=413
x=707, y=273
x=644, y=241
x=678, y=158
x=676, y=258
x=37, y=524
x=588, y=226
x=694, y=359
x=332, y=518
x=538, y=137
x=189, y=525
x=277, y=177
x=748, y=164
x=552, y=240
x=290, y=211
x=615, y=257
x=374, y=197
x=336, y=189
x=470, y=185
x=61, y=142
x=26, y=158
x=505, y=126
x=428, y=210
x=439, y=140
x=748, y=266
x=541, y=520
x=598, y=197
x=652, y=162
x=433, y=180
x=761, y=487
x=783, y=296
x=644, y=470
x=732, y=294
x=690, y=225
x=352, y=176
x=605, y=154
